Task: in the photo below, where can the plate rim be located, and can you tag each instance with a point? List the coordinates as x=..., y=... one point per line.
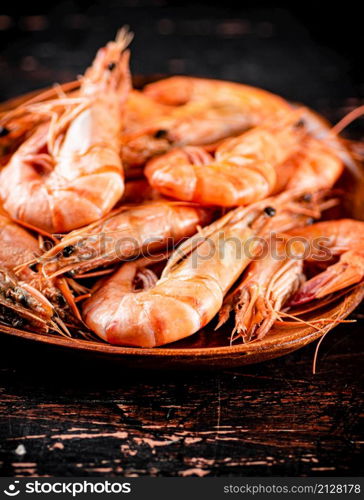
x=299, y=338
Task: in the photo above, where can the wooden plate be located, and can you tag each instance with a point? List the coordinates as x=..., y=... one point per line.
x=207, y=348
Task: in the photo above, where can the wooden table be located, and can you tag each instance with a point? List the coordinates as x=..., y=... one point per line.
x=62, y=414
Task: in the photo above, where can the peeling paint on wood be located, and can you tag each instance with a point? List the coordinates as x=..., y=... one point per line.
x=82, y=416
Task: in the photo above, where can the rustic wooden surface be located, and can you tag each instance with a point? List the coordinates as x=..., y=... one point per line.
x=62, y=414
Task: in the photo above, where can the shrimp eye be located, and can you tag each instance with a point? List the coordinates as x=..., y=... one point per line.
x=4, y=131
x=67, y=251
x=307, y=197
x=270, y=211
x=23, y=300
x=61, y=301
x=300, y=123
x=33, y=267
x=111, y=66
x=69, y=274
x=159, y=134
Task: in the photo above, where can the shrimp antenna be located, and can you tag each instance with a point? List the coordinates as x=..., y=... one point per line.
x=22, y=266
x=335, y=321
x=77, y=287
x=83, y=297
x=296, y=319
x=333, y=297
x=347, y=119
x=36, y=229
x=64, y=288
x=58, y=326
x=95, y=274
x=39, y=97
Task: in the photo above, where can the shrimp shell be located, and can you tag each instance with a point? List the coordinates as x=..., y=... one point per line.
x=194, y=282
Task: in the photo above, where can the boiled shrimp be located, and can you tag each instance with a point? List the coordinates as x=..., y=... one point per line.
x=22, y=306
x=242, y=170
x=144, y=131
x=18, y=250
x=277, y=281
x=319, y=161
x=181, y=90
x=21, y=303
x=126, y=233
x=69, y=172
x=182, y=111
x=210, y=110
x=314, y=166
x=258, y=299
x=194, y=282
x=343, y=238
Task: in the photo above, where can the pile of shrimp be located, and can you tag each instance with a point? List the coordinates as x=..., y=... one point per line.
x=139, y=216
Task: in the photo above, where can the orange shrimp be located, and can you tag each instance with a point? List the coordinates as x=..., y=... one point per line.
x=343, y=238
x=69, y=172
x=257, y=300
x=125, y=233
x=144, y=131
x=319, y=161
x=17, y=246
x=161, y=118
x=210, y=110
x=314, y=166
x=193, y=284
x=22, y=303
x=18, y=250
x=277, y=281
x=241, y=171
x=181, y=90
x=141, y=111
x=22, y=306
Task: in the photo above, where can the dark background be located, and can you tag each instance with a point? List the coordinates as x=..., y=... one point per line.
x=309, y=51
x=65, y=415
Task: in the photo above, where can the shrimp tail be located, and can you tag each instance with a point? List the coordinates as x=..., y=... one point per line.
x=348, y=271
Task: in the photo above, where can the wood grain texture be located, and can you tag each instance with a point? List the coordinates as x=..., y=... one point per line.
x=63, y=414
